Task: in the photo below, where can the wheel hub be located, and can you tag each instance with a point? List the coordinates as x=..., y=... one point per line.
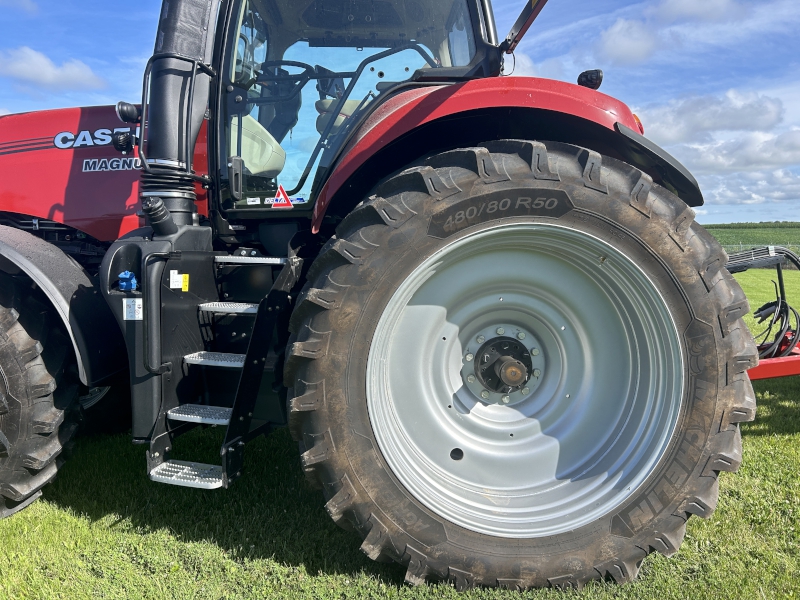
x=502, y=366
x=506, y=369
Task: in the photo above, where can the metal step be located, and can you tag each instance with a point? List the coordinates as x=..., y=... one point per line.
x=200, y=413
x=230, y=308
x=215, y=359
x=249, y=260
x=188, y=474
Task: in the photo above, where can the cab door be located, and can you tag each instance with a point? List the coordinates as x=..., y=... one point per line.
x=253, y=119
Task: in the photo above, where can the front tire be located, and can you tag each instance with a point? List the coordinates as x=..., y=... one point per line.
x=600, y=293
x=38, y=393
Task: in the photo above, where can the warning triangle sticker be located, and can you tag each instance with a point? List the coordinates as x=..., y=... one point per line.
x=281, y=199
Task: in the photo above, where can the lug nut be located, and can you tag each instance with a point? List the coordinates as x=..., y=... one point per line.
x=500, y=331
x=534, y=352
x=526, y=391
x=485, y=395
x=481, y=339
x=536, y=372
x=521, y=335
x=471, y=379
x=506, y=399
x=469, y=357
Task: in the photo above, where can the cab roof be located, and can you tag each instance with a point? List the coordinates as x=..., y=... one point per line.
x=360, y=23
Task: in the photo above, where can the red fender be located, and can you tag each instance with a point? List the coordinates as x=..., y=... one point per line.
x=402, y=113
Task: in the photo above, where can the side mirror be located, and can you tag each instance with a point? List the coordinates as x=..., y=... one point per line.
x=128, y=113
x=591, y=79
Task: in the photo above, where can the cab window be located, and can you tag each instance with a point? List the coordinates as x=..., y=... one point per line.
x=300, y=72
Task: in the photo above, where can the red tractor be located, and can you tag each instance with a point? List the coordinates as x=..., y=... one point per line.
x=508, y=354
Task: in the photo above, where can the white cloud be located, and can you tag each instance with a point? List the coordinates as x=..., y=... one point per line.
x=780, y=186
x=520, y=65
x=742, y=172
x=29, y=66
x=736, y=144
x=688, y=28
x=628, y=42
x=751, y=26
x=695, y=118
x=28, y=6
x=749, y=152
x=4, y=111
x=702, y=10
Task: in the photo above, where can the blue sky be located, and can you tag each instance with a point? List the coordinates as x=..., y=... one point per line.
x=714, y=81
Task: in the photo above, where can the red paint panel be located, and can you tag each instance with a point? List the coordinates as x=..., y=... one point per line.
x=770, y=368
x=200, y=166
x=60, y=165
x=411, y=109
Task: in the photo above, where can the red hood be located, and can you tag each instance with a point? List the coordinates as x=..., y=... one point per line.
x=60, y=165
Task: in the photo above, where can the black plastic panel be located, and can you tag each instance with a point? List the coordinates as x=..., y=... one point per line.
x=75, y=295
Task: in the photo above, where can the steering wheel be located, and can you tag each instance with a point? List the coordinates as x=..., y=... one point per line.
x=299, y=80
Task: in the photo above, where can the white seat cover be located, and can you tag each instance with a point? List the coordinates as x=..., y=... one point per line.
x=261, y=153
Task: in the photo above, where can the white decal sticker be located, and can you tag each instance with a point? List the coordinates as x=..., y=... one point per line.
x=271, y=202
x=102, y=137
x=64, y=140
x=101, y=165
x=175, y=280
x=132, y=309
x=83, y=139
x=254, y=201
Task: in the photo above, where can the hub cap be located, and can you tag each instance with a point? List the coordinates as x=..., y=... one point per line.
x=525, y=380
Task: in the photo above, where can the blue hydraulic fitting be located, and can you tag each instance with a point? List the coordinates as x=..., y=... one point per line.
x=127, y=282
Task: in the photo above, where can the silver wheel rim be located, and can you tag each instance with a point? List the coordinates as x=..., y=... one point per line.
x=576, y=443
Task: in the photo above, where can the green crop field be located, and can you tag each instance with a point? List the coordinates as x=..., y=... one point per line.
x=745, y=235
x=102, y=530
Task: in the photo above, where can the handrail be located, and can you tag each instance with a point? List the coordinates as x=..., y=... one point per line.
x=351, y=86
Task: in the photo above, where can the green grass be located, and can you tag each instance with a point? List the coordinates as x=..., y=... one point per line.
x=757, y=234
x=103, y=530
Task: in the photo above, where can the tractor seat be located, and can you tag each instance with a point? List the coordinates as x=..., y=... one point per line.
x=261, y=153
x=325, y=109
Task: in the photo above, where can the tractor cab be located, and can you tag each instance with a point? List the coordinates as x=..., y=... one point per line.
x=297, y=75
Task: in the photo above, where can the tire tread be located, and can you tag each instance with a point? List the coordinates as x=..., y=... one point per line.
x=44, y=420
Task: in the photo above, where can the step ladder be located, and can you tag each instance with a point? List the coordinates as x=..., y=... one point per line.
x=238, y=418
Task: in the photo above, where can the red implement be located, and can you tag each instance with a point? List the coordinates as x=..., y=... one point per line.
x=769, y=368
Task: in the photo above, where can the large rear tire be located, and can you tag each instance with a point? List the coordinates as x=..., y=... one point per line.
x=38, y=392
x=520, y=365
